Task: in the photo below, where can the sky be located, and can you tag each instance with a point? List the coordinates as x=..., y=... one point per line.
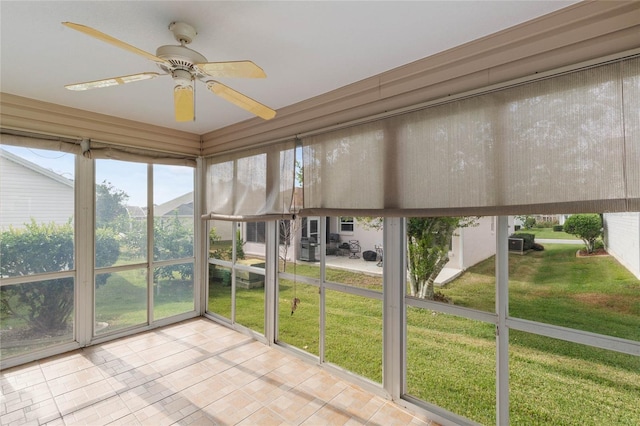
x=169, y=181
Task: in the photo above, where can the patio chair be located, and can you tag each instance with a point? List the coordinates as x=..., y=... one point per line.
x=354, y=249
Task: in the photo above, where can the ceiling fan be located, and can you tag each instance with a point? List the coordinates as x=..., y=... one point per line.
x=184, y=65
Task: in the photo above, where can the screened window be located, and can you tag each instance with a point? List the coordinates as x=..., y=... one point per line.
x=346, y=224
x=255, y=232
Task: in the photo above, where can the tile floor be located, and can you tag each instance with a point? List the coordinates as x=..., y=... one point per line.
x=195, y=372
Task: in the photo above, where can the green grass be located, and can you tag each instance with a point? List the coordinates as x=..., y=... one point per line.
x=550, y=234
x=451, y=360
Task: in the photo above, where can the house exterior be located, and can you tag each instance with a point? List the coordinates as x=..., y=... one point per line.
x=49, y=198
x=622, y=239
x=469, y=245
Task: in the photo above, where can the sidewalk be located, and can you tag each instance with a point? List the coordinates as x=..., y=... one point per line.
x=553, y=241
x=370, y=268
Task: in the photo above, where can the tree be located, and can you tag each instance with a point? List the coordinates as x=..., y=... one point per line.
x=172, y=240
x=587, y=227
x=528, y=221
x=288, y=231
x=428, y=245
x=111, y=210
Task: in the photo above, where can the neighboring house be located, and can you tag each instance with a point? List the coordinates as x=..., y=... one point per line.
x=622, y=239
x=182, y=206
x=469, y=246
x=29, y=190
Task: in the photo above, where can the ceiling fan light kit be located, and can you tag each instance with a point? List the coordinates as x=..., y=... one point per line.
x=185, y=66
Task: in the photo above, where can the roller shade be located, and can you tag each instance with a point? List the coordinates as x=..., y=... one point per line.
x=92, y=149
x=569, y=143
x=255, y=184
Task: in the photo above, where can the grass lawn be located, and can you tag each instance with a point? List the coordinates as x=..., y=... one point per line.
x=451, y=360
x=550, y=234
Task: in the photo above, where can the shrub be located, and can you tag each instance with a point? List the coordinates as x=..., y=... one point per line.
x=587, y=227
x=529, y=239
x=40, y=248
x=558, y=228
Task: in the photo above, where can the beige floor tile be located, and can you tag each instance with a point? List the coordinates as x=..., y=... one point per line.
x=199, y=418
x=295, y=406
x=115, y=364
x=232, y=408
x=100, y=413
x=323, y=385
x=166, y=411
x=129, y=420
x=177, y=361
x=193, y=373
x=62, y=367
x=360, y=404
x=188, y=376
x=14, y=379
x=75, y=380
x=133, y=378
x=295, y=372
x=24, y=398
x=83, y=397
x=206, y=392
x=329, y=415
x=147, y=394
x=267, y=388
x=263, y=417
x=38, y=412
x=392, y=415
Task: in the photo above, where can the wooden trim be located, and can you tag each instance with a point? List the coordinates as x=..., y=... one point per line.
x=19, y=113
x=582, y=32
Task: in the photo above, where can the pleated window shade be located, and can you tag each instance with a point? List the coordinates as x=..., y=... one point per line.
x=251, y=185
x=565, y=144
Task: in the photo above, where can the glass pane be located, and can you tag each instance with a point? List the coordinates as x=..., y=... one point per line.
x=173, y=212
x=558, y=282
x=251, y=250
x=221, y=234
x=288, y=233
x=35, y=315
x=353, y=334
x=250, y=300
x=558, y=382
x=354, y=258
x=299, y=320
x=36, y=211
x=121, y=213
x=451, y=363
x=452, y=260
x=173, y=290
x=121, y=300
x=219, y=290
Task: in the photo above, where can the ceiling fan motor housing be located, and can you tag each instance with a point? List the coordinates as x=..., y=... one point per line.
x=184, y=33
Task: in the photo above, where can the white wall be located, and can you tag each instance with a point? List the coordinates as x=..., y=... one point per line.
x=368, y=238
x=28, y=194
x=622, y=239
x=474, y=244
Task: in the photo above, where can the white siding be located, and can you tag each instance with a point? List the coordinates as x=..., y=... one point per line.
x=28, y=194
x=622, y=239
x=478, y=242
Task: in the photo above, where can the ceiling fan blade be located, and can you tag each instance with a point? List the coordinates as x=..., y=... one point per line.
x=183, y=103
x=113, y=81
x=241, y=100
x=114, y=41
x=238, y=69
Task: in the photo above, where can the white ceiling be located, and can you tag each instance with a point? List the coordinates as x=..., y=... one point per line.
x=306, y=47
